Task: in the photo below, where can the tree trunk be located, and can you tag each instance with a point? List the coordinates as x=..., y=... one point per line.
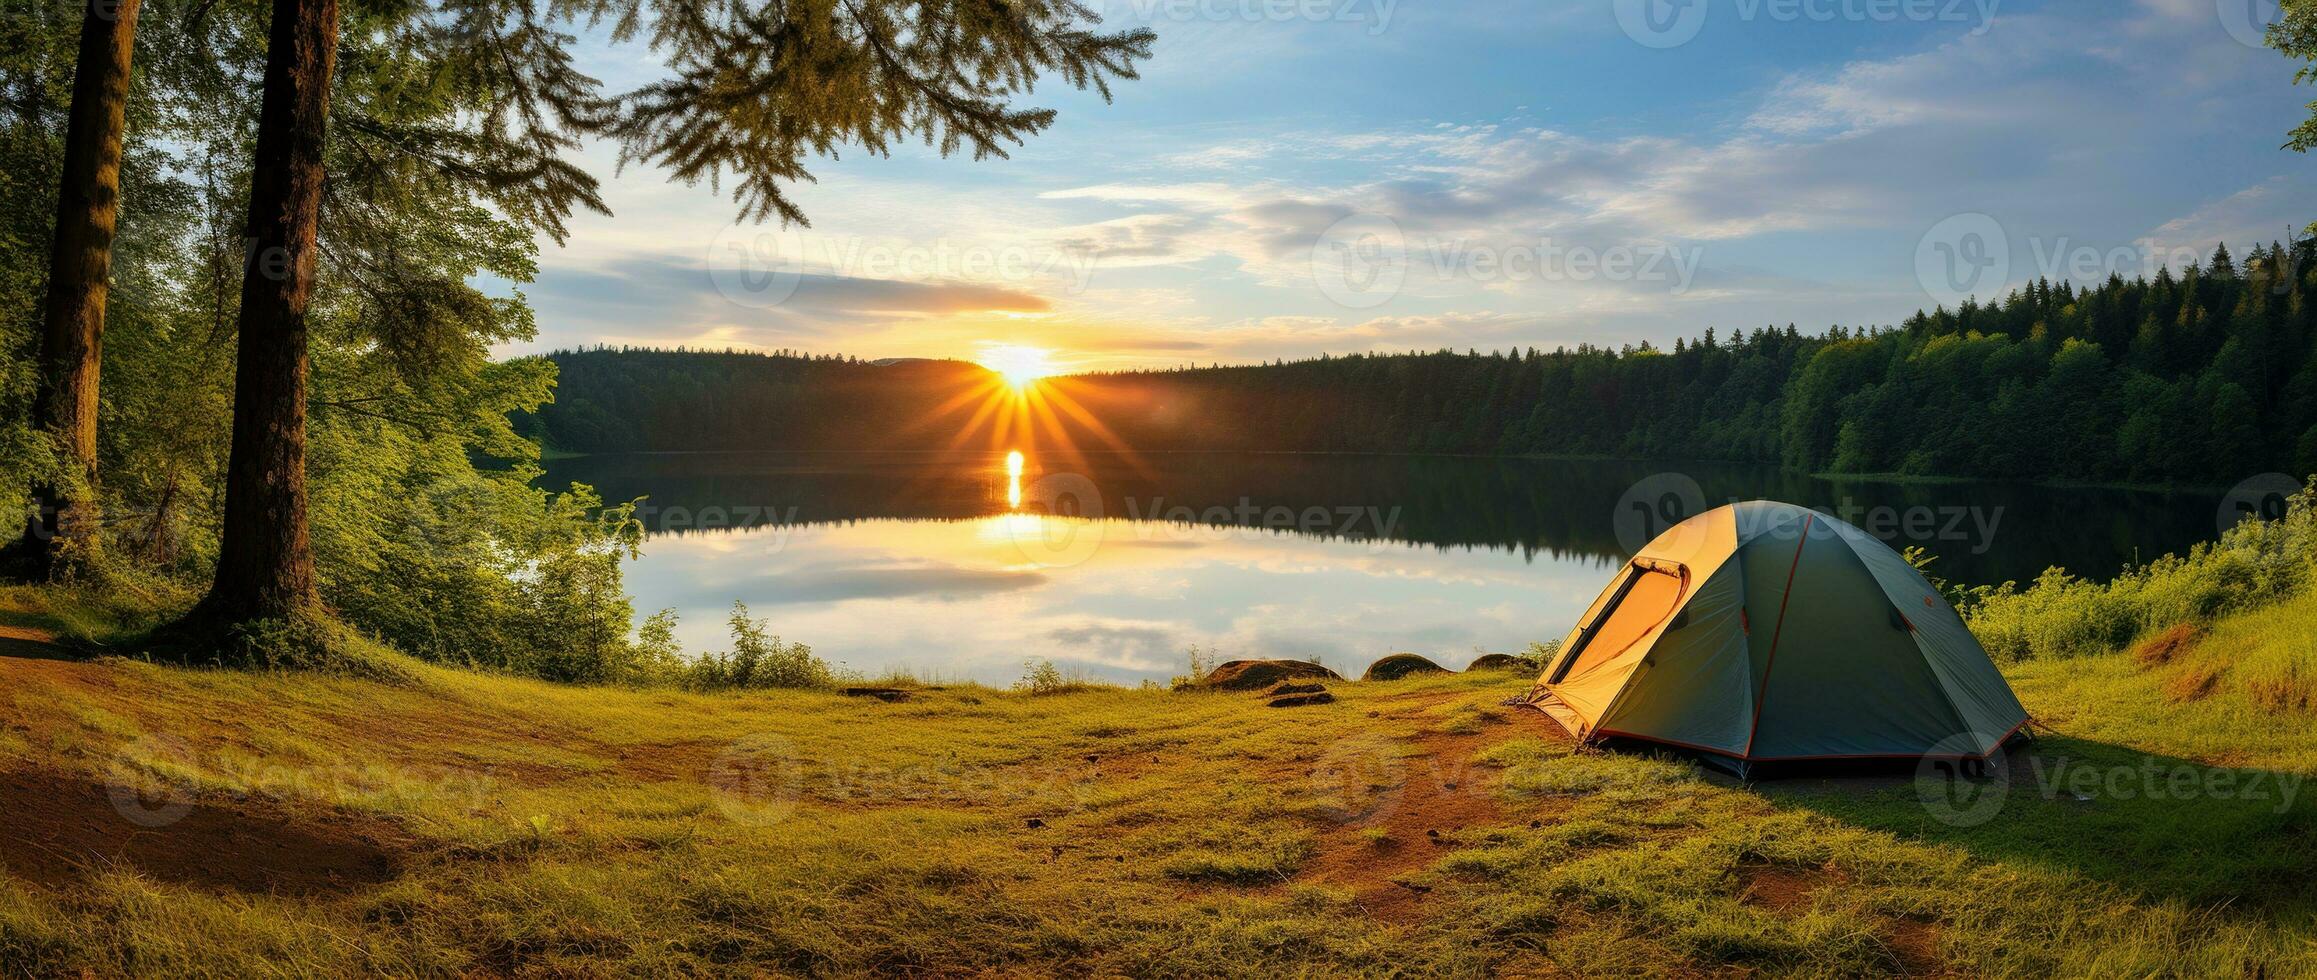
x=265, y=565
x=62, y=531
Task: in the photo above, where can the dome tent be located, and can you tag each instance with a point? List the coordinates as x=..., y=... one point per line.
x=1765, y=632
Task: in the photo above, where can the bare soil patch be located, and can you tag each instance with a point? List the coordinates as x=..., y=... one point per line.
x=60, y=831
x=2165, y=647
x=32, y=644
x=1440, y=801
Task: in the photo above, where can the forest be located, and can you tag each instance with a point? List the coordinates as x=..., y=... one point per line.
x=255, y=257
x=2196, y=377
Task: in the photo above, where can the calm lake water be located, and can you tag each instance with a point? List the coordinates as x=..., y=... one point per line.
x=964, y=565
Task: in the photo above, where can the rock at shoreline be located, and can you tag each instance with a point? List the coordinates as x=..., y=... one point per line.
x=1256, y=675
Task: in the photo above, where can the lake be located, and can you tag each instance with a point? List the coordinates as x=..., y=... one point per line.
x=965, y=565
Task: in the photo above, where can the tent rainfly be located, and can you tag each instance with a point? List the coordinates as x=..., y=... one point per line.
x=1764, y=632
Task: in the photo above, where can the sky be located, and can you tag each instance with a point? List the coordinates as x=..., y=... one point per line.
x=1296, y=177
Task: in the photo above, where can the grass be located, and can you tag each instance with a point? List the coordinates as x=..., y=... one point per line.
x=2157, y=829
x=540, y=828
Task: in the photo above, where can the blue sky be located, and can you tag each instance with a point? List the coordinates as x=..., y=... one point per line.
x=1292, y=177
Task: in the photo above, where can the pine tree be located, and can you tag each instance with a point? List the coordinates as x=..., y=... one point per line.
x=61, y=535
x=756, y=88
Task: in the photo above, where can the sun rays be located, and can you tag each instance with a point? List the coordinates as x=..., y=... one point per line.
x=1022, y=404
x=1020, y=366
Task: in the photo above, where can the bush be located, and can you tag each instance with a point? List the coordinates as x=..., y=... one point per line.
x=757, y=659
x=1043, y=677
x=2254, y=565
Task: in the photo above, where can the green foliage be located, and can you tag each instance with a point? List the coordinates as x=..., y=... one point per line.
x=757, y=88
x=1040, y=677
x=757, y=659
x=2255, y=565
x=428, y=536
x=1044, y=677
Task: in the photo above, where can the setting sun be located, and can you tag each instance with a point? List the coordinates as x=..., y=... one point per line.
x=1017, y=364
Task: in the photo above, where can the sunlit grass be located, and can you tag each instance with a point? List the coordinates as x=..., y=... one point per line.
x=1119, y=831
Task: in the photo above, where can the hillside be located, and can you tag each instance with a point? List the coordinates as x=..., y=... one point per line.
x=467, y=823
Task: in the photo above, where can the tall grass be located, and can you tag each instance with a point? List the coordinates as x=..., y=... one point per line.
x=2255, y=565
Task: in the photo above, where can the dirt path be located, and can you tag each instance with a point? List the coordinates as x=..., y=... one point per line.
x=1441, y=801
x=63, y=830
x=27, y=642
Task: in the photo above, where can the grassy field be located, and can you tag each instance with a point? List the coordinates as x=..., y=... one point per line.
x=460, y=823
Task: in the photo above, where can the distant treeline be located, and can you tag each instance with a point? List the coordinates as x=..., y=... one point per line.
x=2203, y=376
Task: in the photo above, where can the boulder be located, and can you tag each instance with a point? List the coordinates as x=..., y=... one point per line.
x=1257, y=675
x=1401, y=665
x=1501, y=661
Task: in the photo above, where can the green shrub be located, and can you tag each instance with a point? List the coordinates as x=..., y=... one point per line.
x=757, y=659
x=2254, y=565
